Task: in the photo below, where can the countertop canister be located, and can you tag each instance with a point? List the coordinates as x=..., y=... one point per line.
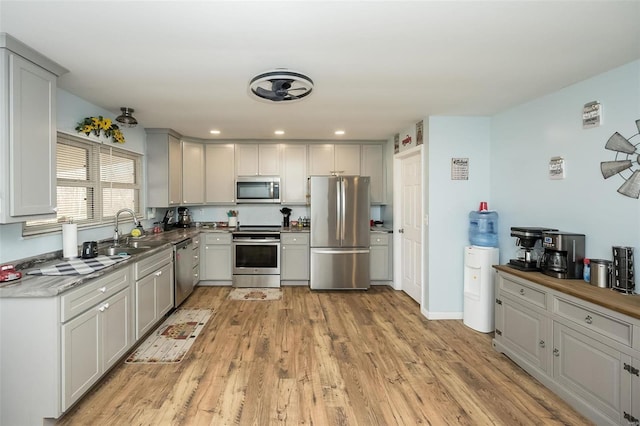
x=600, y=273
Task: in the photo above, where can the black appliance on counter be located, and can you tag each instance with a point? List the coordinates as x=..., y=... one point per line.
x=563, y=255
x=184, y=218
x=530, y=241
x=167, y=221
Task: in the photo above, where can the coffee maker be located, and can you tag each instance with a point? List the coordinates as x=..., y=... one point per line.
x=530, y=241
x=563, y=255
x=184, y=218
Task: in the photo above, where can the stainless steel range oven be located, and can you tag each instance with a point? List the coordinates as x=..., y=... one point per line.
x=256, y=257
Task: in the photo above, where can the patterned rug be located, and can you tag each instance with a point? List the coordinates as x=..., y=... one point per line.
x=172, y=340
x=255, y=294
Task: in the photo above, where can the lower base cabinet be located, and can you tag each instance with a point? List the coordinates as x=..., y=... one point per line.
x=216, y=257
x=584, y=352
x=153, y=291
x=93, y=342
x=380, y=265
x=294, y=257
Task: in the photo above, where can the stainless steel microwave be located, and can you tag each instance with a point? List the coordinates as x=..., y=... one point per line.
x=258, y=189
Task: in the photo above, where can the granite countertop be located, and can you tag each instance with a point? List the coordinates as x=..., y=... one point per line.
x=628, y=304
x=52, y=285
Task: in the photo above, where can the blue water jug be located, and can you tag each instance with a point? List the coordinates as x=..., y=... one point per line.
x=483, y=227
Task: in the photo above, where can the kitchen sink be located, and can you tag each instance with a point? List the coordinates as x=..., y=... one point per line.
x=110, y=251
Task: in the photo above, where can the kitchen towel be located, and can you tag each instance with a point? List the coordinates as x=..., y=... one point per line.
x=79, y=266
x=69, y=240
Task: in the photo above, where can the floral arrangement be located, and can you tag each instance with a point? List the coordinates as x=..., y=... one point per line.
x=97, y=125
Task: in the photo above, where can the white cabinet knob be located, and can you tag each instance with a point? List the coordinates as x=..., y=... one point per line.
x=102, y=289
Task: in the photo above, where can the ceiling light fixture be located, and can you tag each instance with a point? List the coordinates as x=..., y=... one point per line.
x=280, y=85
x=126, y=119
x=279, y=132
x=215, y=132
x=339, y=132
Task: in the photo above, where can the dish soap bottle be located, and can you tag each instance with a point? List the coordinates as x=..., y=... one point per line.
x=586, y=272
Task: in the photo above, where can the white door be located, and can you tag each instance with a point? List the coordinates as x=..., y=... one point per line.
x=411, y=226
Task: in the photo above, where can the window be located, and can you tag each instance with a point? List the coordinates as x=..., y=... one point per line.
x=94, y=182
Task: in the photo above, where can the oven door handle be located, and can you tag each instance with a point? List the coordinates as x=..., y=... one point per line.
x=251, y=241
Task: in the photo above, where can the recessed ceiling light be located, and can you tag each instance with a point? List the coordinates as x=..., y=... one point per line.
x=339, y=132
x=215, y=132
x=279, y=132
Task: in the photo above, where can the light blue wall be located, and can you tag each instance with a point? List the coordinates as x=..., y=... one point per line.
x=524, y=138
x=450, y=202
x=70, y=110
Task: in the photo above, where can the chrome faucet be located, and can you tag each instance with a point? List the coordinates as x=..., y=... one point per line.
x=116, y=233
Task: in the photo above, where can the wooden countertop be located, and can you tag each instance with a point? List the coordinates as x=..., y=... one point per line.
x=628, y=304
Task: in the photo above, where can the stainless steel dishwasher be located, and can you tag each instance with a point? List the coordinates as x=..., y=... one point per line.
x=183, y=270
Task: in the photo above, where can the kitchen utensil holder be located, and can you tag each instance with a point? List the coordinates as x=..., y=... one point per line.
x=623, y=276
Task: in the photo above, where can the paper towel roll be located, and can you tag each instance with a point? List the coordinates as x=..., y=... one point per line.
x=69, y=240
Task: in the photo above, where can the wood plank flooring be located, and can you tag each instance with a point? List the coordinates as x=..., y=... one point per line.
x=325, y=358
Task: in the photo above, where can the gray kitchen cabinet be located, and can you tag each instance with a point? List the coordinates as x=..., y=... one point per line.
x=380, y=265
x=220, y=173
x=593, y=371
x=257, y=160
x=331, y=160
x=216, y=257
x=294, y=259
x=321, y=160
x=92, y=342
x=74, y=338
x=193, y=182
x=153, y=290
x=347, y=159
x=293, y=187
x=373, y=166
x=585, y=353
x=196, y=260
x=164, y=168
x=28, y=133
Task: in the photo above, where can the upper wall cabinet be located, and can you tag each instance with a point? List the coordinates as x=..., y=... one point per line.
x=257, y=160
x=329, y=159
x=293, y=187
x=192, y=173
x=373, y=166
x=219, y=173
x=164, y=168
x=27, y=132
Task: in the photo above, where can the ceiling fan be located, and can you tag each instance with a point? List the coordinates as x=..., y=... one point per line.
x=281, y=85
x=627, y=156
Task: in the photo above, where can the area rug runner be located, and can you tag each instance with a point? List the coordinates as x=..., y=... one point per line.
x=172, y=340
x=255, y=294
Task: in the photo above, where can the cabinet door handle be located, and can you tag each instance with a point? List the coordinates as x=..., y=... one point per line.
x=195, y=257
x=103, y=307
x=522, y=291
x=588, y=319
x=158, y=273
x=401, y=231
x=542, y=344
x=102, y=289
x=556, y=352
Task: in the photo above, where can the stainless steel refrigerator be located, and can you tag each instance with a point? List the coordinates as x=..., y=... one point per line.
x=340, y=232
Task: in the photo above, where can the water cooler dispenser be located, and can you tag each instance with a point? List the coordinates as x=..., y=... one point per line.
x=478, y=287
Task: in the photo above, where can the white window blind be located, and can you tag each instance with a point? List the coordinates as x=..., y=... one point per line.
x=93, y=182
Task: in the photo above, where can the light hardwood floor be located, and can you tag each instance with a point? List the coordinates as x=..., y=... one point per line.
x=325, y=358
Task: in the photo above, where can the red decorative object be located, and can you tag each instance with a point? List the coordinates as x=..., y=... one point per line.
x=406, y=141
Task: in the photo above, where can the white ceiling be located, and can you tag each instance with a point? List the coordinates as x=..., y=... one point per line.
x=378, y=67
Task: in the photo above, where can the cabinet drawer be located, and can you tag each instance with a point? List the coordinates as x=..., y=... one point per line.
x=84, y=297
x=601, y=323
x=196, y=241
x=295, y=238
x=524, y=292
x=217, y=238
x=153, y=263
x=379, y=239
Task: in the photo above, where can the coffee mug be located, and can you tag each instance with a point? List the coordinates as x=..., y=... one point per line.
x=89, y=249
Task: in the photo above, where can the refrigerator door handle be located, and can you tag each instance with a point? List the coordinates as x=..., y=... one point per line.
x=343, y=201
x=339, y=210
x=339, y=251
